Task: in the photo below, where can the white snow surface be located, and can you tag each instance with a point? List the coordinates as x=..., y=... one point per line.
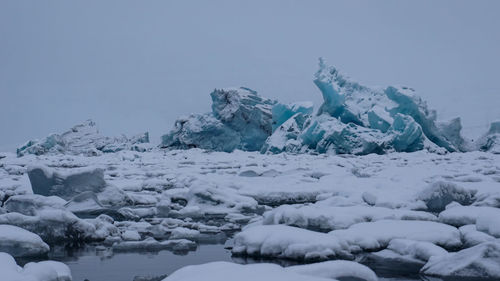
x=225, y=271
x=285, y=203
x=39, y=271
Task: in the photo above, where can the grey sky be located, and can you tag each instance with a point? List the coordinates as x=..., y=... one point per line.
x=135, y=66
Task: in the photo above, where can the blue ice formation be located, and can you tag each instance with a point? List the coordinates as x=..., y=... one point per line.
x=83, y=139
x=282, y=112
x=491, y=140
x=353, y=119
x=240, y=119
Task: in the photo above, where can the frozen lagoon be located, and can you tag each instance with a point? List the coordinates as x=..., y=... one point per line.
x=195, y=195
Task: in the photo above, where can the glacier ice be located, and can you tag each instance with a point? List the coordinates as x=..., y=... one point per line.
x=283, y=112
x=201, y=131
x=82, y=139
x=240, y=119
x=353, y=119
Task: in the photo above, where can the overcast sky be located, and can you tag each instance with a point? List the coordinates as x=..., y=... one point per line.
x=135, y=66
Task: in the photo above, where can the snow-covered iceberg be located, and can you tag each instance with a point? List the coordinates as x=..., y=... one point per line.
x=83, y=139
x=353, y=119
x=240, y=119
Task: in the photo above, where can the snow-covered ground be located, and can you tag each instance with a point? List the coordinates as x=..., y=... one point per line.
x=419, y=208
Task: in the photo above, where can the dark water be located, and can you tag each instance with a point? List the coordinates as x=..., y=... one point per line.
x=95, y=265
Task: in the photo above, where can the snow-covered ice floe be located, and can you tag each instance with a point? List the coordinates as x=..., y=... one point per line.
x=225, y=271
x=33, y=271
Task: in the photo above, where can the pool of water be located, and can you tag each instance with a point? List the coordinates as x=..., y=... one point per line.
x=97, y=264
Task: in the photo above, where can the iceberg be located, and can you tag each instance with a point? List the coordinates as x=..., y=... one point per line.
x=353, y=119
x=491, y=140
x=82, y=139
x=240, y=119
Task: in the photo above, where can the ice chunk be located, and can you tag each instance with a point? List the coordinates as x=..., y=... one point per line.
x=286, y=136
x=184, y=233
x=458, y=215
x=329, y=134
x=201, y=131
x=283, y=112
x=407, y=135
x=441, y=193
x=408, y=103
x=41, y=271
x=491, y=140
x=81, y=139
x=330, y=218
x=379, y=118
x=30, y=204
x=150, y=244
x=472, y=237
x=53, y=225
x=244, y=111
x=377, y=235
x=420, y=250
x=282, y=241
x=131, y=235
x=481, y=261
x=226, y=271
x=85, y=204
x=47, y=182
x=336, y=269
x=451, y=130
x=21, y=243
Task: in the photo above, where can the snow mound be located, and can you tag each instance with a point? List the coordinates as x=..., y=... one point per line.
x=481, y=261
x=82, y=139
x=282, y=241
x=21, y=243
x=33, y=271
